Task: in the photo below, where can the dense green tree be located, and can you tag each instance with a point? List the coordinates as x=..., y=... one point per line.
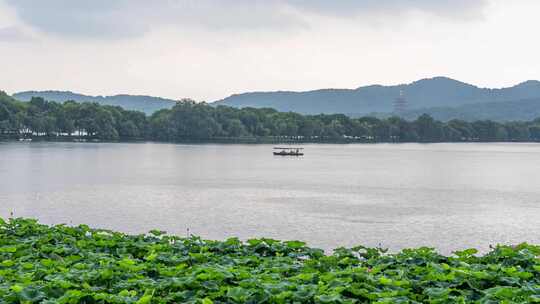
x=428, y=129
x=486, y=130
x=161, y=126
x=464, y=129
x=534, y=132
x=189, y=120
x=517, y=131
x=8, y=111
x=234, y=128
x=401, y=130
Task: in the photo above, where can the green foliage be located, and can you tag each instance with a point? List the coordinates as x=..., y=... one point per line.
x=39, y=117
x=10, y=114
x=188, y=121
x=62, y=264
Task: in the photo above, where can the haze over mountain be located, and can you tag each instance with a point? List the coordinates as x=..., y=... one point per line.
x=143, y=103
x=425, y=93
x=516, y=110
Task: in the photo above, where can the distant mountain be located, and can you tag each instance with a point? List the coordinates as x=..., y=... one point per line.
x=147, y=104
x=516, y=110
x=441, y=97
x=426, y=93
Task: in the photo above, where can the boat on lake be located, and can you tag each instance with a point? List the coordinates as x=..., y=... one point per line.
x=290, y=151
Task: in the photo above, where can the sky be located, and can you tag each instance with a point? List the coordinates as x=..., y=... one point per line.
x=210, y=49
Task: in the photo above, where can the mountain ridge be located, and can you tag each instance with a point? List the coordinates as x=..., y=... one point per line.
x=501, y=111
x=443, y=97
x=438, y=91
x=143, y=103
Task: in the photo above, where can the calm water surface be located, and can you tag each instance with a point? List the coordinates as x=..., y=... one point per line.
x=448, y=196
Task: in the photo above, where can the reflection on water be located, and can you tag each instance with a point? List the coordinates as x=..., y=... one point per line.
x=448, y=196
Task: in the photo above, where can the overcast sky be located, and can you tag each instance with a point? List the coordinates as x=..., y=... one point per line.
x=209, y=49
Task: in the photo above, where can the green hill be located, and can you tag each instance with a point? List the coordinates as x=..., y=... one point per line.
x=143, y=103
x=519, y=110
x=435, y=92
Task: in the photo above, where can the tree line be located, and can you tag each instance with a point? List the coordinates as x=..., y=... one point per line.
x=192, y=121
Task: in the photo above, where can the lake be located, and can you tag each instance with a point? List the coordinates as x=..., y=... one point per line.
x=448, y=196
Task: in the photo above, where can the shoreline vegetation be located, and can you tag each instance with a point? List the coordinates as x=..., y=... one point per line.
x=64, y=264
x=189, y=121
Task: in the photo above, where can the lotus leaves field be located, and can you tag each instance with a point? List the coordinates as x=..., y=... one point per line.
x=62, y=264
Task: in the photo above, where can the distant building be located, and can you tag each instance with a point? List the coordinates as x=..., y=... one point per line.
x=400, y=103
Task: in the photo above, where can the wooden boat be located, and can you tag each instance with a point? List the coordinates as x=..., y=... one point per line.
x=292, y=151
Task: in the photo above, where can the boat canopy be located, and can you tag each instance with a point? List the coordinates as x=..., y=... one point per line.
x=290, y=148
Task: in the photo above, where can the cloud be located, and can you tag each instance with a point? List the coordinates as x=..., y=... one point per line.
x=448, y=8
x=12, y=34
x=127, y=18
x=353, y=6
x=130, y=18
